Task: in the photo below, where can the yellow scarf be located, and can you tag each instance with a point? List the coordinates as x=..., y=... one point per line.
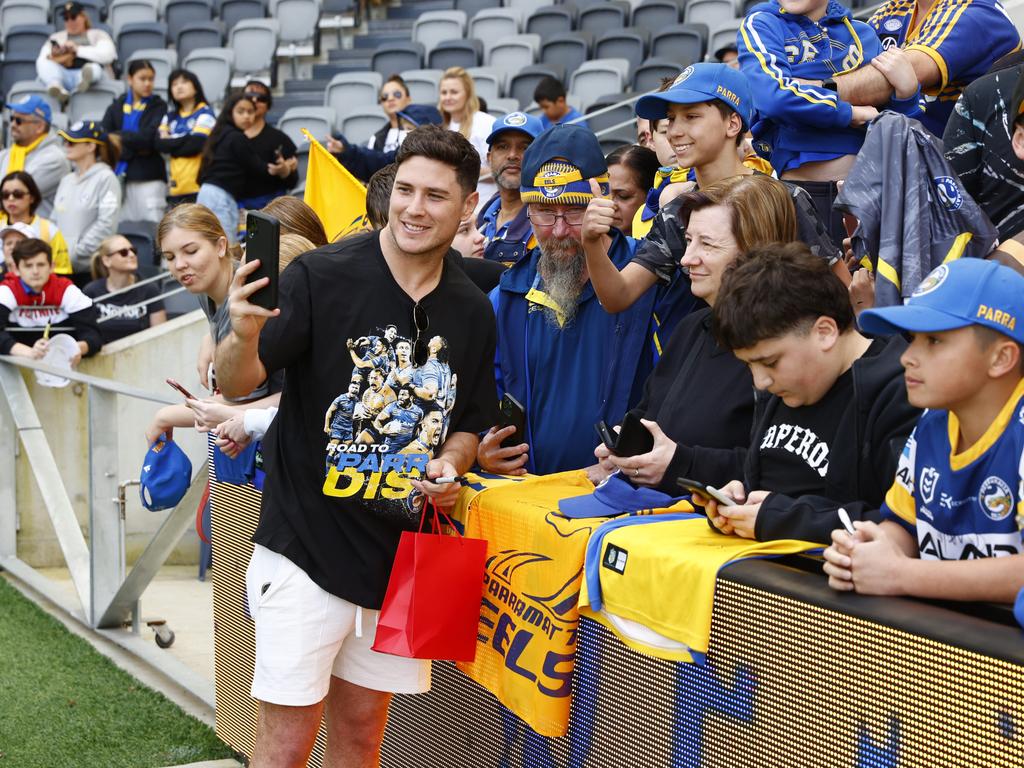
x=16, y=160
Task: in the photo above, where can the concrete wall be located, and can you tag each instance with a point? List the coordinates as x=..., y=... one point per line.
x=144, y=361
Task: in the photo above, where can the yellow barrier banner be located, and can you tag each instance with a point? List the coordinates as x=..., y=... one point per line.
x=338, y=198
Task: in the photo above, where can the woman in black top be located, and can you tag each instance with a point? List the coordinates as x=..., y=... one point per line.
x=699, y=401
x=229, y=163
x=114, y=268
x=394, y=97
x=132, y=122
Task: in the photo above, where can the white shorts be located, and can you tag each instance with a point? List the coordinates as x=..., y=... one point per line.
x=305, y=635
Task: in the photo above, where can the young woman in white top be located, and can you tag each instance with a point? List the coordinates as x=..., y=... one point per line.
x=460, y=108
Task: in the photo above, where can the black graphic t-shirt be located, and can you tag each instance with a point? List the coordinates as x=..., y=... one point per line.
x=795, y=447
x=358, y=417
x=123, y=314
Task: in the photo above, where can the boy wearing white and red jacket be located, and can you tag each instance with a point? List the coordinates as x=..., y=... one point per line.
x=37, y=298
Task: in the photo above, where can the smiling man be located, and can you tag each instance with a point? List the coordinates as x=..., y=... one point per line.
x=329, y=529
x=508, y=236
x=832, y=414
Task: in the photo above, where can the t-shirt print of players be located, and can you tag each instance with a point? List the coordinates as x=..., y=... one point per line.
x=387, y=424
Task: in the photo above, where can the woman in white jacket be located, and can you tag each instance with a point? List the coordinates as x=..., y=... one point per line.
x=88, y=199
x=76, y=57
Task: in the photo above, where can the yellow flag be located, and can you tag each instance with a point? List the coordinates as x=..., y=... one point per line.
x=335, y=194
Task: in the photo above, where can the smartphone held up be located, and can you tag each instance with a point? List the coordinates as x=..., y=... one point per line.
x=263, y=242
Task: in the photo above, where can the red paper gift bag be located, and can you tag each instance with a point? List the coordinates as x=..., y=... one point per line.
x=432, y=605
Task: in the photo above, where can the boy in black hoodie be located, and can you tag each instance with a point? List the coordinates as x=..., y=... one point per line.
x=832, y=414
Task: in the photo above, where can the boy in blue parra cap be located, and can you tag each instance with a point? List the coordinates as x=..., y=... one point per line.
x=567, y=361
x=958, y=494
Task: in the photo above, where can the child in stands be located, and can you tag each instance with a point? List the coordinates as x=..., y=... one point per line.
x=951, y=522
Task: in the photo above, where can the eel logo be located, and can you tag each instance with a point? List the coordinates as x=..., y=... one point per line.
x=893, y=25
x=949, y=193
x=995, y=498
x=683, y=76
x=935, y=278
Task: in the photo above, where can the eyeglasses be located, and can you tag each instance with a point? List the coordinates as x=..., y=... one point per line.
x=16, y=194
x=421, y=346
x=125, y=251
x=260, y=97
x=393, y=95
x=573, y=217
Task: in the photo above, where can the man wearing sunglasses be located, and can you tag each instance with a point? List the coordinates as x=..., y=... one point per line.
x=273, y=147
x=570, y=363
x=35, y=150
x=77, y=56
x=329, y=529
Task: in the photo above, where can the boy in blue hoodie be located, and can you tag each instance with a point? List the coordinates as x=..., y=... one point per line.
x=811, y=135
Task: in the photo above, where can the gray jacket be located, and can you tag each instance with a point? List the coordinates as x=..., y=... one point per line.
x=86, y=208
x=913, y=211
x=47, y=165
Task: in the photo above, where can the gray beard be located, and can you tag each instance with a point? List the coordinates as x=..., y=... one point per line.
x=562, y=264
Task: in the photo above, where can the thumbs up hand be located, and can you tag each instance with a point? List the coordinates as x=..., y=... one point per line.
x=600, y=215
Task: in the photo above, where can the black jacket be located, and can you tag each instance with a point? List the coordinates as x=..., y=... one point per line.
x=138, y=148
x=235, y=166
x=702, y=397
x=864, y=453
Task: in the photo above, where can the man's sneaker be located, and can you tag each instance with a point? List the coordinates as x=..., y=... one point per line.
x=88, y=77
x=57, y=91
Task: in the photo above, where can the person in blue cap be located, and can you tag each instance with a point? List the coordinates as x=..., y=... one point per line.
x=508, y=236
x=34, y=149
x=708, y=110
x=952, y=521
x=570, y=363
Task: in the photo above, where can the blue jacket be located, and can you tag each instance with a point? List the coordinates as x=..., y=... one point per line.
x=797, y=123
x=567, y=379
x=513, y=242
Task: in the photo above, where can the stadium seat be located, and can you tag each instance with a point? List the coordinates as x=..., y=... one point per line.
x=338, y=15
x=143, y=34
x=297, y=28
x=609, y=143
x=628, y=44
x=751, y=3
x=524, y=83
x=319, y=121
x=567, y=51
x=164, y=61
x=711, y=13
x=489, y=83
x=254, y=42
x=423, y=84
x=620, y=114
x=93, y=103
x=434, y=27
x=655, y=15
x=208, y=34
x=498, y=108
x=22, y=13
x=511, y=54
x=595, y=78
x=283, y=103
x=25, y=88
x=470, y=7
x=141, y=234
x=18, y=67
x=213, y=68
x=456, y=53
x=723, y=35
x=596, y=19
x=358, y=125
x=648, y=76
x=26, y=38
x=397, y=57
x=493, y=24
x=551, y=20
x=121, y=12
x=179, y=14
x=526, y=7
x=234, y=11
x=348, y=90
x=683, y=43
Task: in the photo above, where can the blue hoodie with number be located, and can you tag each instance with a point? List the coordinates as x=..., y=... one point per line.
x=797, y=123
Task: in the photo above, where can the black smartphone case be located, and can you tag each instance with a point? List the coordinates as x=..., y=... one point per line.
x=263, y=242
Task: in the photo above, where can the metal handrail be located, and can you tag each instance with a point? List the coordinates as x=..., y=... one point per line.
x=107, y=385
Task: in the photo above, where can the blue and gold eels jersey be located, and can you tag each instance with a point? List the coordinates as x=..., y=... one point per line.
x=962, y=505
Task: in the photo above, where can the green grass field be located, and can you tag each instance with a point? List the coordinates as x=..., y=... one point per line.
x=63, y=705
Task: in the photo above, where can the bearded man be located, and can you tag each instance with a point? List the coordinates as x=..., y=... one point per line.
x=567, y=361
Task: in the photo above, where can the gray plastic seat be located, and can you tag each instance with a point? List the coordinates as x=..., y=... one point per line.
x=711, y=13
x=526, y=7
x=524, y=83
x=488, y=82
x=21, y=13
x=26, y=38
x=233, y=11
x=18, y=68
x=254, y=42
x=93, y=103
x=213, y=68
x=655, y=15
x=358, y=125
x=319, y=121
x=423, y=84
x=433, y=27
x=180, y=13
x=206, y=34
x=683, y=43
x=456, y=53
x=511, y=54
x=136, y=35
x=164, y=61
x=498, y=108
x=613, y=117
x=397, y=57
x=349, y=90
x=470, y=7
x=649, y=75
x=25, y=88
x=551, y=20
x=597, y=77
x=597, y=19
x=121, y=12
x=493, y=24
x=723, y=35
x=628, y=44
x=567, y=51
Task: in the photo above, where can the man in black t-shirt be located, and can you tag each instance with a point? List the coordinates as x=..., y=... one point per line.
x=832, y=414
x=273, y=147
x=329, y=529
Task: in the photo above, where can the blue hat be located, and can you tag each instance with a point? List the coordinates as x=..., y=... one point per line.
x=421, y=114
x=166, y=475
x=698, y=83
x=616, y=496
x=88, y=130
x=964, y=292
x=33, y=105
x=517, y=121
x=558, y=166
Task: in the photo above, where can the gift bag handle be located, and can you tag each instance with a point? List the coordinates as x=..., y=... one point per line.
x=438, y=514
